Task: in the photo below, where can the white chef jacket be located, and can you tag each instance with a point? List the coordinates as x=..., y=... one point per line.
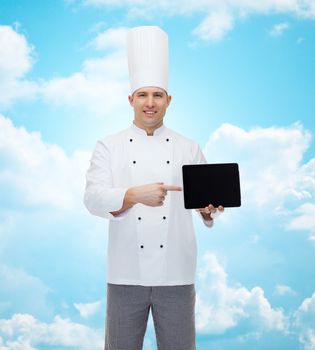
x=148, y=246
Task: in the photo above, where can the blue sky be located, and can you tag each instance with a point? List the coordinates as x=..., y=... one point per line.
x=242, y=81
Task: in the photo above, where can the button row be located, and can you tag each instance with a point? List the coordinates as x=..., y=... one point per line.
x=142, y=246
x=139, y=217
x=134, y=162
x=167, y=140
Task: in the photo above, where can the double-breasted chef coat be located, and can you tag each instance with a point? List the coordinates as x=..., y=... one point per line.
x=148, y=246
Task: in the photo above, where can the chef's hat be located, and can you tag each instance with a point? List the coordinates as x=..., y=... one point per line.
x=147, y=57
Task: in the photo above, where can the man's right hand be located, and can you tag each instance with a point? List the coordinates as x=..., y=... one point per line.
x=152, y=195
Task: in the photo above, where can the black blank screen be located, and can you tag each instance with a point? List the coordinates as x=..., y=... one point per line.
x=217, y=184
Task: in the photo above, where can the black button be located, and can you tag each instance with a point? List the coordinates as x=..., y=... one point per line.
x=130, y=140
x=164, y=217
x=141, y=246
x=161, y=246
x=168, y=162
x=167, y=140
x=134, y=162
x=139, y=218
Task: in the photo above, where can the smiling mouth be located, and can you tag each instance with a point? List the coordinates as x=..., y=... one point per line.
x=149, y=112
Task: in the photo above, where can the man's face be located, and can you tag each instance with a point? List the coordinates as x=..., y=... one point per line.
x=149, y=104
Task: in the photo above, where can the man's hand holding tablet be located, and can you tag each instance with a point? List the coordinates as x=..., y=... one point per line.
x=210, y=212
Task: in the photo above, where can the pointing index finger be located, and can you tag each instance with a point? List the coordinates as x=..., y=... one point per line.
x=172, y=188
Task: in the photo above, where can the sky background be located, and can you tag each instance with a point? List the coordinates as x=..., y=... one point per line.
x=242, y=77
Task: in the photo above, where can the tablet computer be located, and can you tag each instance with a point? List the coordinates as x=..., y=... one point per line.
x=216, y=184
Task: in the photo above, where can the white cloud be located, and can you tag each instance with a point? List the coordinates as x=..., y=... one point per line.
x=215, y=26
x=307, y=338
x=88, y=309
x=16, y=60
x=113, y=38
x=278, y=29
x=39, y=173
x=98, y=89
x=220, y=14
x=305, y=323
x=282, y=289
x=272, y=174
x=23, y=331
x=269, y=160
x=232, y=306
x=29, y=293
x=303, y=218
x=305, y=314
x=305, y=7
x=103, y=82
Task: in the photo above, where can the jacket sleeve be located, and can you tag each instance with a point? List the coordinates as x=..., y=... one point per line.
x=199, y=158
x=100, y=197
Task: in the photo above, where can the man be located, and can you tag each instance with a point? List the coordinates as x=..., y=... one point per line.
x=135, y=180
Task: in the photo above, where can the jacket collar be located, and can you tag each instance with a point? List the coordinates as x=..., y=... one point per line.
x=157, y=132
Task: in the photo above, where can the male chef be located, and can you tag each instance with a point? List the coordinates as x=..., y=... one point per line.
x=135, y=181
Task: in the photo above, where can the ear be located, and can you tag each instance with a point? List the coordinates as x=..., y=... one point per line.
x=169, y=99
x=130, y=99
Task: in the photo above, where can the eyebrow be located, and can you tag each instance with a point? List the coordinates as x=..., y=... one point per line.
x=154, y=92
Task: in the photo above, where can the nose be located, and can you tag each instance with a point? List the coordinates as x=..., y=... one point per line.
x=150, y=101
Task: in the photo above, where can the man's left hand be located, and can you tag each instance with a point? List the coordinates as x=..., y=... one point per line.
x=209, y=212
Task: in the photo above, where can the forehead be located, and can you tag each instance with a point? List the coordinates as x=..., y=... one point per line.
x=150, y=89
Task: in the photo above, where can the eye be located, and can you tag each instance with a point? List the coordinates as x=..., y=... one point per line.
x=159, y=95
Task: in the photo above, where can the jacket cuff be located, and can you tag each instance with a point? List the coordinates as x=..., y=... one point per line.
x=106, y=201
x=208, y=223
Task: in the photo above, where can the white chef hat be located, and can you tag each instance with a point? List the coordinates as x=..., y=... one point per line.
x=147, y=57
